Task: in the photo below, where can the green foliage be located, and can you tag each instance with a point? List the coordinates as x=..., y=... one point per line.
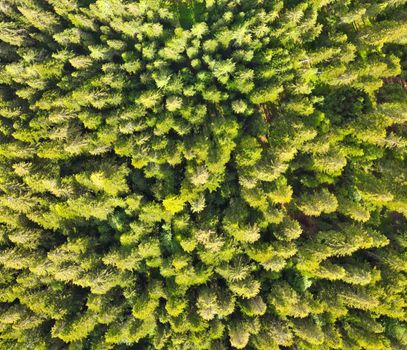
x=315, y=203
x=203, y=174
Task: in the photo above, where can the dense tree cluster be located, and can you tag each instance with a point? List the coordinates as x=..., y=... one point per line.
x=203, y=174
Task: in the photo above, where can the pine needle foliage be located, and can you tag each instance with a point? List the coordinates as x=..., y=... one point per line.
x=203, y=174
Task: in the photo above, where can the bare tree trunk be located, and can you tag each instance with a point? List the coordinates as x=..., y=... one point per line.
x=396, y=80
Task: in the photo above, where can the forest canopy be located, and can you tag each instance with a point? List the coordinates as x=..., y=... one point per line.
x=203, y=174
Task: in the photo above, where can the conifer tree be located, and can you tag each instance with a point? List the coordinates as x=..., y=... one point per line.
x=203, y=174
